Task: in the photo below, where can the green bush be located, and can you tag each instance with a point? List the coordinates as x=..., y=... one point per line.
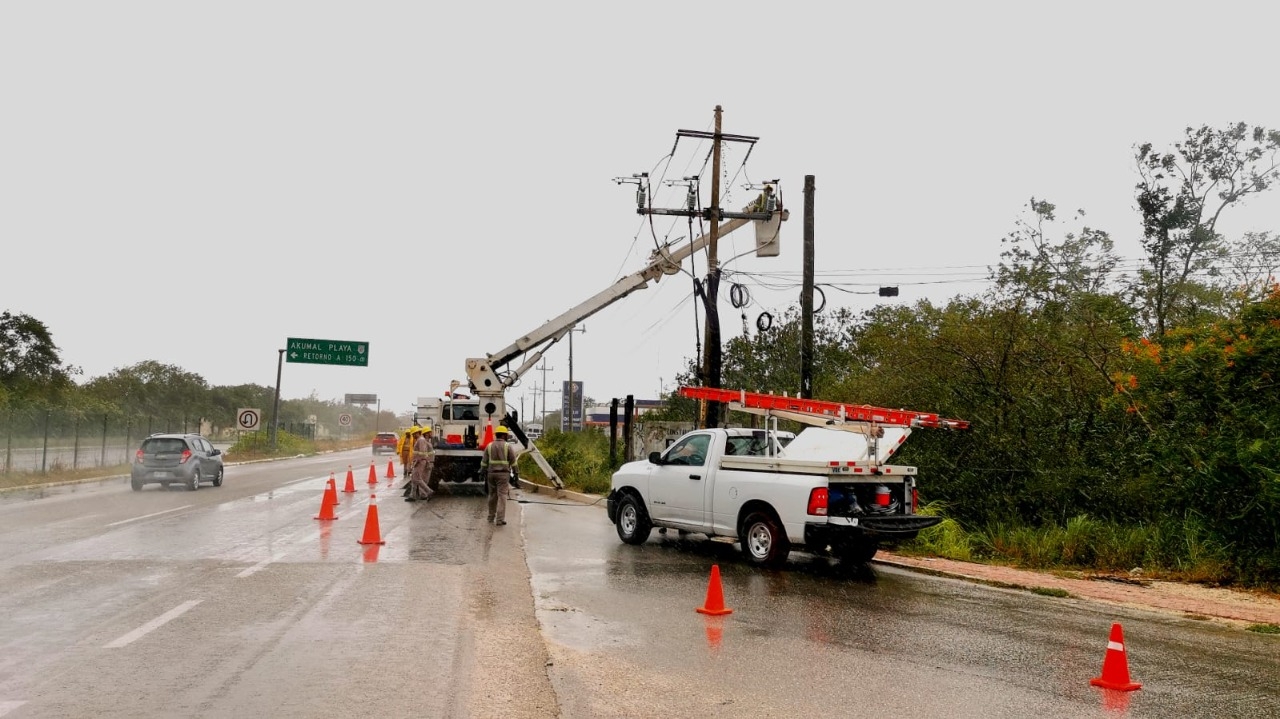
x=581, y=459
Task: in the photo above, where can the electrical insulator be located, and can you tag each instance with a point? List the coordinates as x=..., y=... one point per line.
x=640, y=197
x=770, y=204
x=691, y=199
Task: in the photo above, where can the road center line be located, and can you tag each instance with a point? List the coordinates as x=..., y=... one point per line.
x=260, y=566
x=8, y=706
x=148, y=516
x=153, y=625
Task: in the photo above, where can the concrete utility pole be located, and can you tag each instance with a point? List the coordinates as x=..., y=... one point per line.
x=806, y=296
x=543, y=419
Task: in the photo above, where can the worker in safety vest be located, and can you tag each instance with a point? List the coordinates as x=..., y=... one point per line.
x=423, y=461
x=499, y=467
x=405, y=449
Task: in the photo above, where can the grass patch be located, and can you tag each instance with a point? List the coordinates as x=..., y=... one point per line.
x=1050, y=592
x=58, y=474
x=1264, y=628
x=1176, y=550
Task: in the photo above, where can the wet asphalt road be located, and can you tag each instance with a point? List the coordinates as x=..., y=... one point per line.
x=234, y=602
x=816, y=639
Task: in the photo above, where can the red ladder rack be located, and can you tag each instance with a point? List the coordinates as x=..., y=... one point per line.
x=851, y=412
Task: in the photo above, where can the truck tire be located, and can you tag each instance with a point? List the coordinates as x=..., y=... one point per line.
x=764, y=543
x=632, y=522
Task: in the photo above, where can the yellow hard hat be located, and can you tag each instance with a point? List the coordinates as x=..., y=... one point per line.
x=416, y=430
x=500, y=430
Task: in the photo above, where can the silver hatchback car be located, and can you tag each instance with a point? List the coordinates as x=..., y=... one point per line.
x=187, y=459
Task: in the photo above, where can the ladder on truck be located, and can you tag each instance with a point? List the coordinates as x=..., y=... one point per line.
x=819, y=412
x=858, y=418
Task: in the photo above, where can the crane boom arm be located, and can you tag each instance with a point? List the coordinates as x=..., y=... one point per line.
x=663, y=261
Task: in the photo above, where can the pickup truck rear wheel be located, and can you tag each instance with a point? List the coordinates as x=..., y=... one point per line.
x=632, y=522
x=763, y=542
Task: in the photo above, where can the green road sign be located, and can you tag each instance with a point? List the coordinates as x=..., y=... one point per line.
x=353, y=354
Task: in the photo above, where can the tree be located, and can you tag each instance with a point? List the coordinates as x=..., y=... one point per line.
x=1182, y=195
x=154, y=388
x=30, y=366
x=1205, y=394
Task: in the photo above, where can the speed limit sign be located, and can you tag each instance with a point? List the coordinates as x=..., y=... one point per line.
x=344, y=420
x=248, y=419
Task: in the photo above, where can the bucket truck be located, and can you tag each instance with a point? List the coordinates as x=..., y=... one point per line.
x=490, y=376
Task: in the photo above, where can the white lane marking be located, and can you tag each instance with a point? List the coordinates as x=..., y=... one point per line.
x=153, y=625
x=6, y=707
x=254, y=569
x=149, y=516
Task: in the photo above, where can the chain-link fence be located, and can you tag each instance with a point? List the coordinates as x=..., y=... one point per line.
x=62, y=440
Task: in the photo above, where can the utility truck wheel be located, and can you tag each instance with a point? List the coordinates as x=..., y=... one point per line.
x=633, y=524
x=764, y=544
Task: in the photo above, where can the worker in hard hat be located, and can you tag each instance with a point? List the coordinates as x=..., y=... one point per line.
x=404, y=448
x=497, y=467
x=423, y=462
x=406, y=457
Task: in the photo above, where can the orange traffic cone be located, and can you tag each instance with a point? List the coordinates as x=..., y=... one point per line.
x=329, y=500
x=714, y=604
x=1115, y=665
x=488, y=434
x=371, y=533
x=373, y=473
x=391, y=469
x=350, y=486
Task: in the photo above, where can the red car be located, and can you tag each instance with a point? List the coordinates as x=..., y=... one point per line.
x=384, y=442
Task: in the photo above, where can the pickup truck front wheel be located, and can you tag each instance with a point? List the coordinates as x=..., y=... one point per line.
x=632, y=522
x=763, y=542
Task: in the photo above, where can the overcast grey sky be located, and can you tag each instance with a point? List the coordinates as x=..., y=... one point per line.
x=194, y=182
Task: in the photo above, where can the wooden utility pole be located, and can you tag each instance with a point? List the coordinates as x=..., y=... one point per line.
x=708, y=291
x=711, y=361
x=806, y=296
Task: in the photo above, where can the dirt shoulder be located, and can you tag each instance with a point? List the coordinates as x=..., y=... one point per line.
x=1239, y=608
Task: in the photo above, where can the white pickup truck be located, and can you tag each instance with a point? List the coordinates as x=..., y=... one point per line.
x=827, y=492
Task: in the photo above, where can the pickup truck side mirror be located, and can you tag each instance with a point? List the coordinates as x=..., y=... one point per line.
x=655, y=458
